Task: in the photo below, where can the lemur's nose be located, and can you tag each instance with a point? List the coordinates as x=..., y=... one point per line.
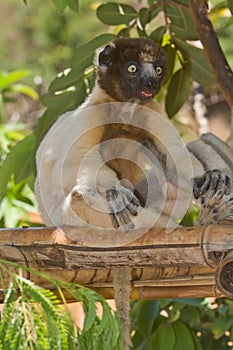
x=149, y=78
x=148, y=82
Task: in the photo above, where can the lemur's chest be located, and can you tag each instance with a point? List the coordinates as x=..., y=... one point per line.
x=123, y=147
x=122, y=141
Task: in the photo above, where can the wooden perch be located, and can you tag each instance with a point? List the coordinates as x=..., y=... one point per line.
x=179, y=264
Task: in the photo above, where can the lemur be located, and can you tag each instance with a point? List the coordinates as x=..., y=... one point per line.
x=95, y=163
x=116, y=157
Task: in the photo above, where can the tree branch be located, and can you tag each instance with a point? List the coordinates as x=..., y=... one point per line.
x=216, y=58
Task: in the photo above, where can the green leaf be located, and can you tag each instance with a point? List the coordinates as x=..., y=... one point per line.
x=114, y=14
x=181, y=22
x=178, y=91
x=198, y=65
x=12, y=215
x=60, y=4
x=58, y=104
x=183, y=337
x=64, y=101
x=164, y=338
x=24, y=89
x=220, y=326
x=197, y=341
x=83, y=56
x=157, y=34
x=64, y=81
x=141, y=31
x=73, y=5
x=144, y=16
x=171, y=55
x=191, y=315
x=19, y=162
x=6, y=79
x=149, y=311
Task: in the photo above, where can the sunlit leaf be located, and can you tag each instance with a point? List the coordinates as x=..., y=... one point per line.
x=198, y=65
x=7, y=79
x=113, y=13
x=12, y=215
x=24, y=89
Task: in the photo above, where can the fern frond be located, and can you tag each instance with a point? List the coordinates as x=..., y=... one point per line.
x=33, y=318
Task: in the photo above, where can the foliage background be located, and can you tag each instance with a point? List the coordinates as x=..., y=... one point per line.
x=43, y=37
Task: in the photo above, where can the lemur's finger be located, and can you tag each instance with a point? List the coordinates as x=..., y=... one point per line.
x=201, y=185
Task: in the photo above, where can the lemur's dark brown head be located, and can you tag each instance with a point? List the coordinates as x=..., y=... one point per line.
x=131, y=69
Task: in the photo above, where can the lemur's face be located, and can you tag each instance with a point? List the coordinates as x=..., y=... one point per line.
x=132, y=69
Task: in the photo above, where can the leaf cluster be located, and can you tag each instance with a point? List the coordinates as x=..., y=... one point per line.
x=167, y=23
x=33, y=317
x=177, y=324
x=18, y=200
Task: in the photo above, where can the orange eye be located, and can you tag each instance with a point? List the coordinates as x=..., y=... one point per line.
x=132, y=68
x=158, y=70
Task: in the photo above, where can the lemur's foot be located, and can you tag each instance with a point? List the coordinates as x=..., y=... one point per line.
x=213, y=189
x=123, y=205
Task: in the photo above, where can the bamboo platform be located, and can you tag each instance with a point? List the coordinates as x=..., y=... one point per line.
x=187, y=262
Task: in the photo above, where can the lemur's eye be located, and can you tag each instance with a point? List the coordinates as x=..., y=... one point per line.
x=158, y=70
x=132, y=68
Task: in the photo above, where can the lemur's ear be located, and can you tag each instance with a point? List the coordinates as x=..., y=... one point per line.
x=104, y=56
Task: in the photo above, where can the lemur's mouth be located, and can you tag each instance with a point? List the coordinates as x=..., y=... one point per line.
x=147, y=94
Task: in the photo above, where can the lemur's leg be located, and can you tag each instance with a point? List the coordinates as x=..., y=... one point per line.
x=214, y=191
x=99, y=196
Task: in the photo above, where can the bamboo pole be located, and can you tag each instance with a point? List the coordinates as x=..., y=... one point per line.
x=179, y=264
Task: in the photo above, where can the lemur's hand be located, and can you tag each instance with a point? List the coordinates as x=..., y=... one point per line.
x=214, y=191
x=212, y=183
x=123, y=205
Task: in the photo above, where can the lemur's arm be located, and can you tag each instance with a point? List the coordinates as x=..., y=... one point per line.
x=213, y=189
